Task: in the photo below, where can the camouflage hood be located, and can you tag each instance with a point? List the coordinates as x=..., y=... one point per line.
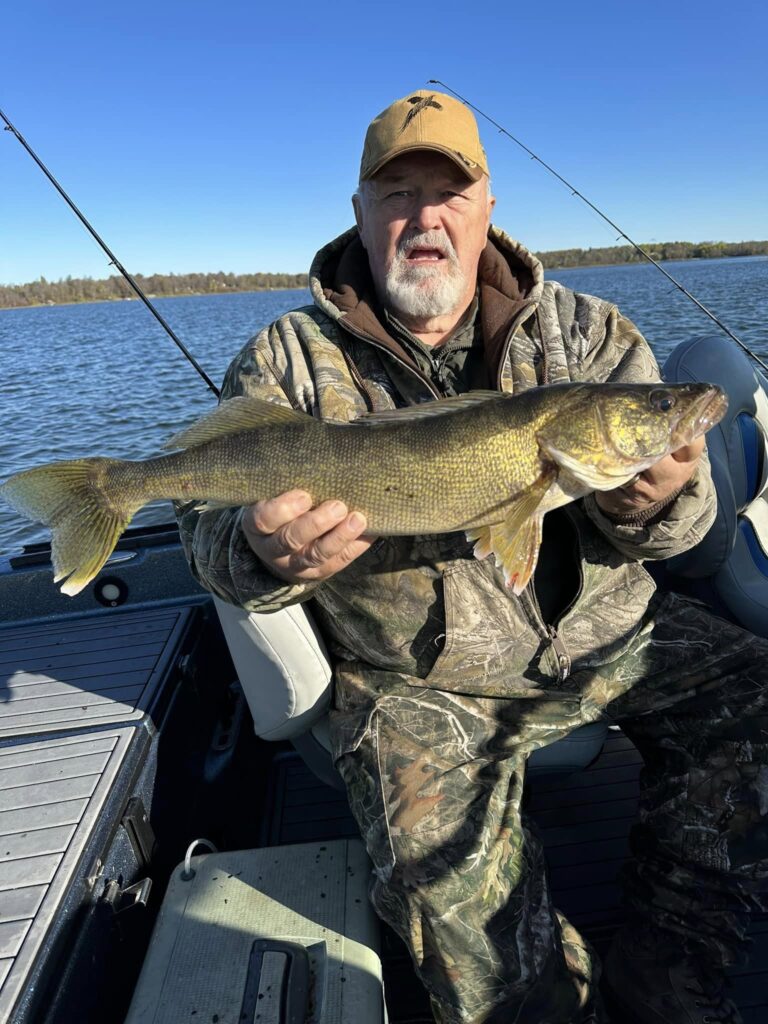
x=510, y=281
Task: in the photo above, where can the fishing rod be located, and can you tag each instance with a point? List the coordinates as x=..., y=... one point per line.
x=622, y=234
x=113, y=260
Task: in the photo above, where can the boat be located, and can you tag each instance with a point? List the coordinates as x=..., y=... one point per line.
x=174, y=844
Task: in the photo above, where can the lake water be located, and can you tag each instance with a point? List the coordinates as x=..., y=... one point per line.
x=104, y=379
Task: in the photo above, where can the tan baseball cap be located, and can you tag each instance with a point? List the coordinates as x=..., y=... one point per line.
x=424, y=120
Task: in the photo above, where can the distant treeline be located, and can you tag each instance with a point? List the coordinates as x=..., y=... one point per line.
x=86, y=289
x=659, y=251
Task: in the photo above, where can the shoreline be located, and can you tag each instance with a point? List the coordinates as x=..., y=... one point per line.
x=154, y=298
x=555, y=268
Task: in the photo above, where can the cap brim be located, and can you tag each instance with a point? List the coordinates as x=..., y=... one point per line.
x=472, y=171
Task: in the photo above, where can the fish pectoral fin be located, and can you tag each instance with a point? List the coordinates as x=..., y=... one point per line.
x=233, y=417
x=515, y=541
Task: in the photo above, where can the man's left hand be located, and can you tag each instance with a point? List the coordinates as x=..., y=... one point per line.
x=655, y=484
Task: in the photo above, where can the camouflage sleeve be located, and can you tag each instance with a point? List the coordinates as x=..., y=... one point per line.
x=674, y=528
x=214, y=542
x=622, y=354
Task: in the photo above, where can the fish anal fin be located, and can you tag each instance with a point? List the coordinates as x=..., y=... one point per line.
x=515, y=541
x=233, y=417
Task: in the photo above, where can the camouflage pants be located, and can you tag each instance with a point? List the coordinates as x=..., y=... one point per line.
x=436, y=782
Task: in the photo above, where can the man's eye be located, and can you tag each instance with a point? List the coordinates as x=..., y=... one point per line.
x=399, y=194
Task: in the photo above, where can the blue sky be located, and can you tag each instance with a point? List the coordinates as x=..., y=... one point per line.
x=227, y=136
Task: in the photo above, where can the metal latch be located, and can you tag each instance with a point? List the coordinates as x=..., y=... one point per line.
x=120, y=900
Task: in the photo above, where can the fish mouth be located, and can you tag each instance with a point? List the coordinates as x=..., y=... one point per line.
x=701, y=415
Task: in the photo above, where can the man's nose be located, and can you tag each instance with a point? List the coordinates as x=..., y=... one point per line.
x=426, y=216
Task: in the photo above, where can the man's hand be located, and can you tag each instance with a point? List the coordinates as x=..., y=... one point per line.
x=298, y=543
x=656, y=484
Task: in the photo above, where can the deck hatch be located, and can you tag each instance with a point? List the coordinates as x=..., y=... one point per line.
x=95, y=670
x=43, y=834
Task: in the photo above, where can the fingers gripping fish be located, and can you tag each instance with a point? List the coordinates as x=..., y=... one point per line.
x=487, y=463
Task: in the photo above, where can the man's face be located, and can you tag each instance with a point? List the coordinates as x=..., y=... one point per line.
x=424, y=226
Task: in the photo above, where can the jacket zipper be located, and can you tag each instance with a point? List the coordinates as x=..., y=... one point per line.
x=544, y=357
x=522, y=315
x=357, y=377
x=561, y=653
x=549, y=633
x=383, y=348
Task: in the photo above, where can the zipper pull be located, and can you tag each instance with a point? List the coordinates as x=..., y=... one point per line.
x=561, y=652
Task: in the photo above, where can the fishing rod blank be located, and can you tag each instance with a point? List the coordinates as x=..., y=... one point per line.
x=112, y=258
x=622, y=234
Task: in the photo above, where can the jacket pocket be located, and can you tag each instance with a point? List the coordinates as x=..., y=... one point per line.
x=490, y=649
x=612, y=608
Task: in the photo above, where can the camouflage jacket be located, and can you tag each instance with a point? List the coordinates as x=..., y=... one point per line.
x=422, y=610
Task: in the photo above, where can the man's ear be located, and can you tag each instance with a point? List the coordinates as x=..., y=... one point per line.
x=491, y=204
x=357, y=206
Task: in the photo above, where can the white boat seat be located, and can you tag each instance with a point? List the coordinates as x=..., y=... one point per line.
x=731, y=562
x=283, y=667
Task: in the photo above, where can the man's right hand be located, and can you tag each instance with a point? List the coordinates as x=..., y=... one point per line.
x=301, y=544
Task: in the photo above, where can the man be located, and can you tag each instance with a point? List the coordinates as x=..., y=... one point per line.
x=445, y=682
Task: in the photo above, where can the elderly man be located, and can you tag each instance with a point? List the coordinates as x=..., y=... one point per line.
x=445, y=681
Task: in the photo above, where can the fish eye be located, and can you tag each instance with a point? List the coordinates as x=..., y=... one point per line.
x=661, y=400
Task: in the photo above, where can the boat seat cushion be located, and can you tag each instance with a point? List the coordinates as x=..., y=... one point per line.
x=733, y=557
x=283, y=666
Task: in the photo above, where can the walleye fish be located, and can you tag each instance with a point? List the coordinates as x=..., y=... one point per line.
x=487, y=463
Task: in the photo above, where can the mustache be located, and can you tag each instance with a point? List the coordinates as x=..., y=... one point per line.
x=438, y=240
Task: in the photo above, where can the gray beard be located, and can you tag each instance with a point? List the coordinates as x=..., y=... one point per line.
x=425, y=291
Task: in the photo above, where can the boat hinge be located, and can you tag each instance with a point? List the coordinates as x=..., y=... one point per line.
x=140, y=832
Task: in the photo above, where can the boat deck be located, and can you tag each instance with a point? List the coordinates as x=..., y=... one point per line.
x=79, y=705
x=76, y=699
x=584, y=822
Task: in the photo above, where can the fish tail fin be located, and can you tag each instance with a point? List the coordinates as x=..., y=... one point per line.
x=69, y=497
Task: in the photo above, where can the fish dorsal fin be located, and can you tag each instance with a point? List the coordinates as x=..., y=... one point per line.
x=426, y=410
x=587, y=473
x=515, y=542
x=233, y=417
